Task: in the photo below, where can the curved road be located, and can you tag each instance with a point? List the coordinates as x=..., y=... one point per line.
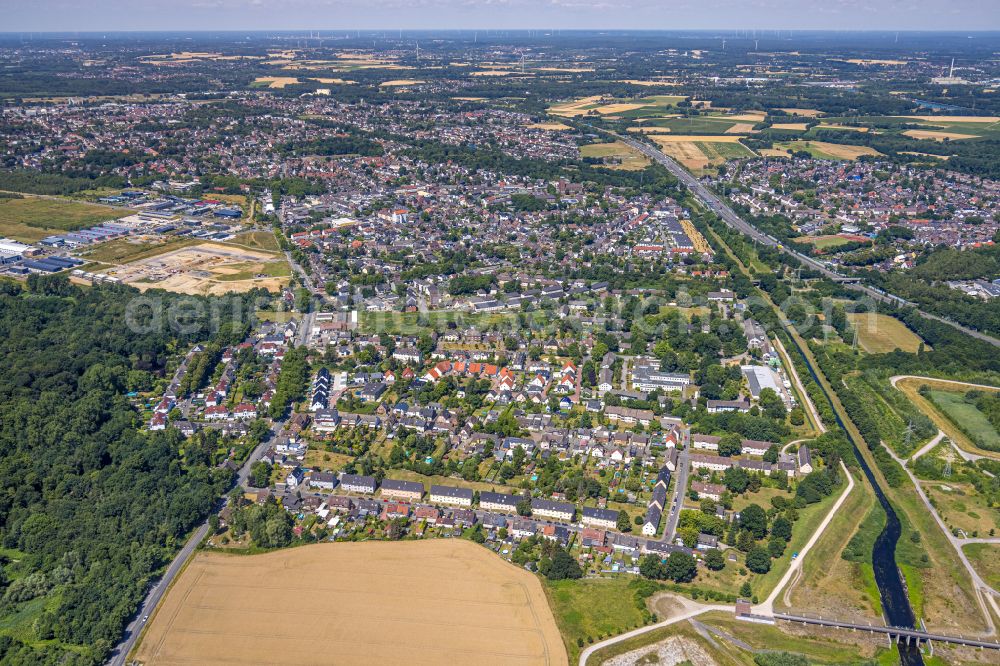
x=983, y=591
x=720, y=208
x=692, y=612
x=976, y=453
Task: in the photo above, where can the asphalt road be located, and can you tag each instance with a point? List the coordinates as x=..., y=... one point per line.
x=716, y=205
x=155, y=593
x=683, y=467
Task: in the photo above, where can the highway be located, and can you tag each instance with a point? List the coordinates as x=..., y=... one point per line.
x=720, y=208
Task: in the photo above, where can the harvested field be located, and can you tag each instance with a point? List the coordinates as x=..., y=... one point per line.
x=618, y=108
x=879, y=333
x=801, y=127
x=938, y=135
x=650, y=130
x=655, y=105
x=565, y=70
x=413, y=602
x=494, y=72
x=207, y=268
x=773, y=152
x=650, y=83
x=807, y=113
x=400, y=82
x=575, y=108
x=685, y=152
x=750, y=116
x=927, y=155
x=700, y=244
x=842, y=127
x=829, y=151
x=275, y=81
x=675, y=138
x=333, y=81
x=550, y=127
x=740, y=128
x=627, y=158
x=955, y=119
x=872, y=61
x=697, y=153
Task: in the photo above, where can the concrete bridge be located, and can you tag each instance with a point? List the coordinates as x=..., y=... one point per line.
x=897, y=634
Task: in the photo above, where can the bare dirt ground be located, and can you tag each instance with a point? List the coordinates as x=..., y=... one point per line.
x=937, y=135
x=412, y=602
x=670, y=652
x=207, y=268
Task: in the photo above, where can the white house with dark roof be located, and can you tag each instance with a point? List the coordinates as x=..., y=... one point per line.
x=552, y=509
x=498, y=501
x=595, y=517
x=411, y=491
x=451, y=495
x=356, y=483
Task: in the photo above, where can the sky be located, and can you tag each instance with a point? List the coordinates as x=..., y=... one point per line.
x=332, y=15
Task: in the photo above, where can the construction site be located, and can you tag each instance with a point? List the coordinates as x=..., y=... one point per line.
x=206, y=269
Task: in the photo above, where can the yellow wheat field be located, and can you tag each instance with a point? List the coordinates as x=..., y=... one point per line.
x=412, y=602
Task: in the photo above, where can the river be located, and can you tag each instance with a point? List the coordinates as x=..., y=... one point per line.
x=895, y=603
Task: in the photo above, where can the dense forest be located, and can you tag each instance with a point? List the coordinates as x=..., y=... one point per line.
x=91, y=506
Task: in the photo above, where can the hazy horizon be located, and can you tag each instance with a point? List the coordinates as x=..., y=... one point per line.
x=337, y=15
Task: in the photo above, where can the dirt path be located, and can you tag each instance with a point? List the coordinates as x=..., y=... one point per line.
x=929, y=445
x=793, y=373
x=767, y=607
x=688, y=614
x=984, y=593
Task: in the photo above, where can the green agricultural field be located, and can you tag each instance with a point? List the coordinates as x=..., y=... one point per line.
x=967, y=417
x=823, y=150
x=33, y=218
x=694, y=125
x=630, y=158
x=657, y=106
x=879, y=333
x=723, y=150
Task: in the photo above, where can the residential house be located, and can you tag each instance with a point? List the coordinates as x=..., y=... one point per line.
x=451, y=495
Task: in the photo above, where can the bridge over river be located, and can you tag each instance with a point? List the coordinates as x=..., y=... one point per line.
x=897, y=634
